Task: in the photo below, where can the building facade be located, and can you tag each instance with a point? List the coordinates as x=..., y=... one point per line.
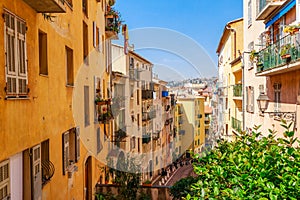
x=229, y=52
x=45, y=152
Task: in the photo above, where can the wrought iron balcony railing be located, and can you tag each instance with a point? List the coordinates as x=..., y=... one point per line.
x=285, y=50
x=48, y=170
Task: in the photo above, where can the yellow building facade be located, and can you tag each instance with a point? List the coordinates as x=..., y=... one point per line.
x=230, y=50
x=49, y=65
x=192, y=129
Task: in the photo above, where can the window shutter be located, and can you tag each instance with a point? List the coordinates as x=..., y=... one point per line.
x=4, y=180
x=15, y=55
x=252, y=99
x=65, y=150
x=99, y=144
x=94, y=34
x=77, y=144
x=247, y=99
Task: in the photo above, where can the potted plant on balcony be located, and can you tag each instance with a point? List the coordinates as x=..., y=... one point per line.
x=147, y=183
x=291, y=29
x=284, y=53
x=253, y=55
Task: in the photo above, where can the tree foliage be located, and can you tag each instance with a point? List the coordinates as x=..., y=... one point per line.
x=251, y=167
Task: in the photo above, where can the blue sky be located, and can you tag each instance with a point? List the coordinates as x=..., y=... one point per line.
x=183, y=22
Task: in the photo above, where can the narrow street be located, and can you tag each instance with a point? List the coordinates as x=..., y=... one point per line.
x=175, y=175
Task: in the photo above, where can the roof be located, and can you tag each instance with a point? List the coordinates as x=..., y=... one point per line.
x=140, y=57
x=225, y=34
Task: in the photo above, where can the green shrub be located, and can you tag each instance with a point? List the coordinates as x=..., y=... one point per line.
x=251, y=167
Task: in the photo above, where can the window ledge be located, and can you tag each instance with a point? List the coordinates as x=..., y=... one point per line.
x=70, y=86
x=16, y=98
x=44, y=75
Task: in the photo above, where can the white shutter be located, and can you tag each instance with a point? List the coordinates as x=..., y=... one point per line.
x=65, y=144
x=100, y=45
x=77, y=144
x=15, y=51
x=252, y=99
x=4, y=180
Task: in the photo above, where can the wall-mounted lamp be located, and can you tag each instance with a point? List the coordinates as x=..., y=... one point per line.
x=263, y=102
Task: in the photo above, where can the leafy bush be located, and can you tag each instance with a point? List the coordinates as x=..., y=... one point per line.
x=182, y=187
x=251, y=167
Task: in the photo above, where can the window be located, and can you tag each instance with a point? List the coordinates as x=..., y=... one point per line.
x=250, y=48
x=71, y=148
x=85, y=43
x=4, y=180
x=70, y=66
x=139, y=148
x=132, y=143
x=15, y=51
x=43, y=55
x=47, y=166
x=96, y=37
x=99, y=144
x=249, y=13
x=277, y=93
x=138, y=97
x=85, y=7
x=131, y=63
x=86, y=106
x=250, y=99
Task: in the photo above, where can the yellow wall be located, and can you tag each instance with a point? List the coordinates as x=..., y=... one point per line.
x=47, y=113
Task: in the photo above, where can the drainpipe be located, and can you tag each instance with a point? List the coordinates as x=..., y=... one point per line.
x=243, y=88
x=234, y=40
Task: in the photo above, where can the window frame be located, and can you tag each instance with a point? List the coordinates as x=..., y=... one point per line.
x=16, y=79
x=70, y=149
x=69, y=66
x=5, y=182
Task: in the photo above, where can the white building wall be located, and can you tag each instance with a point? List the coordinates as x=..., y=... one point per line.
x=252, y=31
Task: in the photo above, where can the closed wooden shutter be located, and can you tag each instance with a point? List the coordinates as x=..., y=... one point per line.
x=77, y=144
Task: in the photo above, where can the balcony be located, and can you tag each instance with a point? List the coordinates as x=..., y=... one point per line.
x=155, y=136
x=112, y=24
x=280, y=57
x=104, y=110
x=237, y=91
x=47, y=6
x=266, y=7
x=147, y=94
x=146, y=116
x=236, y=124
x=146, y=138
x=133, y=74
x=120, y=134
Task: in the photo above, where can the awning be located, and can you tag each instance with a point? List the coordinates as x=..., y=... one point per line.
x=282, y=12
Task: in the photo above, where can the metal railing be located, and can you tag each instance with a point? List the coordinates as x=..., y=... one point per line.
x=236, y=124
x=286, y=50
x=237, y=90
